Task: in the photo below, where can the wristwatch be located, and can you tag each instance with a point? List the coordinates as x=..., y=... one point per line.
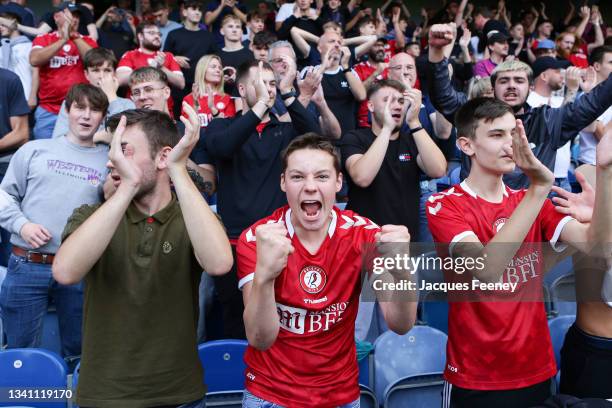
x=290, y=94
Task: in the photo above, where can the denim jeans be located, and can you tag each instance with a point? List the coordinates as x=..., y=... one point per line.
x=45, y=122
x=251, y=401
x=24, y=299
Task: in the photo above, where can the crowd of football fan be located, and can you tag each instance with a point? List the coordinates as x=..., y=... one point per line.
x=259, y=77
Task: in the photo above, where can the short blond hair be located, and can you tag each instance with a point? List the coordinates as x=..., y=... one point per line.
x=230, y=17
x=511, y=66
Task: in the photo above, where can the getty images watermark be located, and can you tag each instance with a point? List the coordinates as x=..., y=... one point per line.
x=504, y=272
x=410, y=264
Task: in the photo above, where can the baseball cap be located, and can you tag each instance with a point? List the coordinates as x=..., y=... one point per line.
x=541, y=64
x=545, y=44
x=496, y=37
x=13, y=10
x=67, y=5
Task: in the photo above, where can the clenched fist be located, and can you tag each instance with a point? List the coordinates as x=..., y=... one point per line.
x=273, y=249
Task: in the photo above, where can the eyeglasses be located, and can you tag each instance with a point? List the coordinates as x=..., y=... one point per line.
x=147, y=90
x=402, y=67
x=154, y=33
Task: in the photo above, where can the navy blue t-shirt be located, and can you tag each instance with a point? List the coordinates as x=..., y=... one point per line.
x=12, y=102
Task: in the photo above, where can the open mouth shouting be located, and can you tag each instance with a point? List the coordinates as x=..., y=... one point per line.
x=311, y=208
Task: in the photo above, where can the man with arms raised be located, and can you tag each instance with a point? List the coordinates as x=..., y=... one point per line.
x=547, y=128
x=146, y=248
x=507, y=229
x=299, y=271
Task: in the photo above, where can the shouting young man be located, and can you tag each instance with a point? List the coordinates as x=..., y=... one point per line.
x=299, y=272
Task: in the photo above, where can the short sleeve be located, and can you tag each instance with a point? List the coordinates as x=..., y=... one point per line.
x=78, y=217
x=246, y=257
x=126, y=61
x=552, y=223
x=90, y=41
x=40, y=41
x=172, y=64
x=350, y=144
x=17, y=106
x=230, y=107
x=446, y=221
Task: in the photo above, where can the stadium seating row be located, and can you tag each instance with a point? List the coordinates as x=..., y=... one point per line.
x=403, y=370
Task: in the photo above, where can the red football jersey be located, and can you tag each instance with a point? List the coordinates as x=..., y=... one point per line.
x=62, y=71
x=223, y=103
x=364, y=70
x=312, y=363
x=390, y=50
x=504, y=344
x=139, y=58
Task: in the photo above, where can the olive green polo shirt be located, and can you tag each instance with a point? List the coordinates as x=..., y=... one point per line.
x=140, y=314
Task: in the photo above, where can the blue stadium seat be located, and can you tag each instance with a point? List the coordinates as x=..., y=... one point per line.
x=417, y=391
x=434, y=309
x=420, y=351
x=558, y=328
x=32, y=368
x=223, y=364
x=564, y=267
x=365, y=368
x=563, y=295
x=367, y=398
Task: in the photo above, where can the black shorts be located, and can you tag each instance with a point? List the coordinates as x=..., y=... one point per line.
x=456, y=397
x=586, y=365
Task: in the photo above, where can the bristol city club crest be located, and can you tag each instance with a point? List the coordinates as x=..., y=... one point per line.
x=313, y=279
x=498, y=224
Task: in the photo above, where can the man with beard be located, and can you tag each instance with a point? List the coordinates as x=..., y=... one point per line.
x=146, y=248
x=547, y=128
x=370, y=71
x=149, y=55
x=245, y=150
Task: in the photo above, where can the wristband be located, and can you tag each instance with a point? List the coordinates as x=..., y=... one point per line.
x=288, y=95
x=416, y=129
x=345, y=70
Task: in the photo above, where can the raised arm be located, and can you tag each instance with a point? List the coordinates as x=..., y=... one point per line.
x=363, y=168
x=498, y=252
x=594, y=238
x=430, y=159
x=208, y=238
x=71, y=263
x=300, y=39
x=260, y=317
x=443, y=96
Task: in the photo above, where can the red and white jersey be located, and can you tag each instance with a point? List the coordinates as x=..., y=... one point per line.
x=312, y=363
x=138, y=58
x=364, y=70
x=223, y=103
x=504, y=344
x=390, y=50
x=62, y=71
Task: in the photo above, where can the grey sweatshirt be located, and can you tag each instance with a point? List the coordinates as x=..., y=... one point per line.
x=116, y=106
x=48, y=179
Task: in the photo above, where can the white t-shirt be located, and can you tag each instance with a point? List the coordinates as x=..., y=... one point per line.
x=588, y=141
x=20, y=64
x=564, y=154
x=284, y=12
